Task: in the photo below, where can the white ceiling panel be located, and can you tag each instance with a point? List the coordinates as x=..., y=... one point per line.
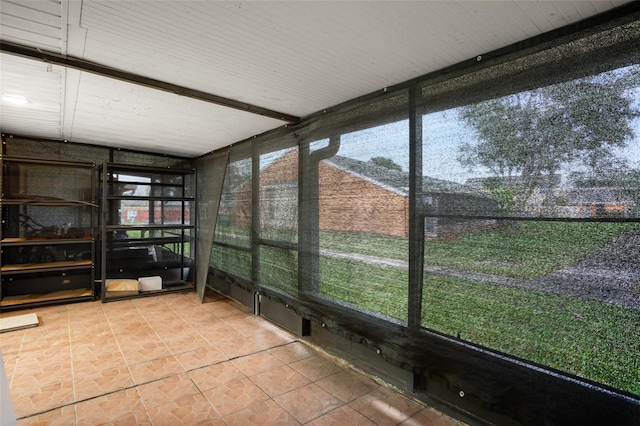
x=156, y=121
x=33, y=23
x=300, y=57
x=30, y=97
x=292, y=57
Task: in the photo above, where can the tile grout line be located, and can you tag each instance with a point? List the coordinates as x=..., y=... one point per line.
x=73, y=381
x=381, y=383
x=136, y=385
x=15, y=367
x=200, y=392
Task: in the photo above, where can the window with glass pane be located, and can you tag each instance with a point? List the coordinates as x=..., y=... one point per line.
x=532, y=226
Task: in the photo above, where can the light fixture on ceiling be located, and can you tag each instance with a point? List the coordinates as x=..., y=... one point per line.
x=15, y=99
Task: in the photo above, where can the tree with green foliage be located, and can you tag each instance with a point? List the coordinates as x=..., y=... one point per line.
x=528, y=137
x=386, y=162
x=504, y=195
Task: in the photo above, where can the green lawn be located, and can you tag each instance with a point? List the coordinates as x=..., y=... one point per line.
x=279, y=269
x=589, y=339
x=532, y=250
x=380, y=290
x=363, y=243
x=233, y=261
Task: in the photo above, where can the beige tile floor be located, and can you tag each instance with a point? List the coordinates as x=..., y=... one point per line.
x=171, y=360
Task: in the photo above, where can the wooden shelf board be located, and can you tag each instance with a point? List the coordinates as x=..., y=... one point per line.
x=173, y=287
x=46, y=265
x=48, y=202
x=46, y=297
x=46, y=240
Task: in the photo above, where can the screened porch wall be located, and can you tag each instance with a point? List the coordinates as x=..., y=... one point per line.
x=413, y=229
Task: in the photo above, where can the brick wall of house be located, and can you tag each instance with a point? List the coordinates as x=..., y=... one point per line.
x=349, y=203
x=132, y=214
x=284, y=170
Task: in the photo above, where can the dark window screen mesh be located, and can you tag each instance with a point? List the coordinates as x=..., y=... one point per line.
x=279, y=195
x=232, y=239
x=55, y=150
x=144, y=159
x=531, y=209
x=279, y=269
x=234, y=216
x=278, y=207
x=23, y=181
x=528, y=181
x=210, y=177
x=234, y=261
x=364, y=219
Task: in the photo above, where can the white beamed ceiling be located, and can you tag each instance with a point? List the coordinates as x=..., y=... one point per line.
x=295, y=57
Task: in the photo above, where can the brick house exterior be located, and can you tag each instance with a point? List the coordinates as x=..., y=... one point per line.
x=358, y=196
x=601, y=202
x=353, y=202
